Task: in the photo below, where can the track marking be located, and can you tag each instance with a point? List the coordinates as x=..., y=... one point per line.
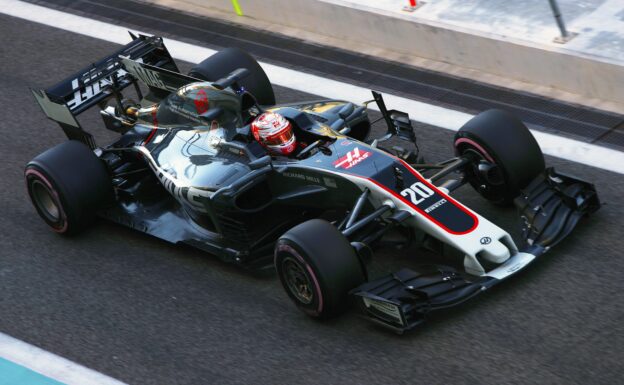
x=565, y=148
x=56, y=369
x=12, y=374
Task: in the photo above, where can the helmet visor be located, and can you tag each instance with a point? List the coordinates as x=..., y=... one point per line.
x=277, y=139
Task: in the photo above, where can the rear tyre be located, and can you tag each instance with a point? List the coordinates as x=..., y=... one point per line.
x=317, y=267
x=67, y=184
x=225, y=61
x=506, y=157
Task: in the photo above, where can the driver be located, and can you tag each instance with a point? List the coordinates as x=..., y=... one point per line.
x=274, y=132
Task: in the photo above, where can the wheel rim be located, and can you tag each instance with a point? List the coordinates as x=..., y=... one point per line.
x=485, y=186
x=45, y=201
x=297, y=281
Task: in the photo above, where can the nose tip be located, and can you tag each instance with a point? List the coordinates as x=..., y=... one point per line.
x=495, y=252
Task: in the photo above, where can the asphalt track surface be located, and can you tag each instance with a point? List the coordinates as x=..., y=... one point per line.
x=146, y=312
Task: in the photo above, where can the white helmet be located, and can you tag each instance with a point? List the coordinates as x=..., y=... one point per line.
x=275, y=133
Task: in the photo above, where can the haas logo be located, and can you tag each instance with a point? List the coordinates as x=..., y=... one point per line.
x=201, y=102
x=352, y=158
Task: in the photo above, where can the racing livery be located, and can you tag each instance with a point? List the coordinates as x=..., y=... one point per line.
x=210, y=160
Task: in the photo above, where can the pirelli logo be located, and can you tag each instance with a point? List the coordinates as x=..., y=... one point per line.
x=352, y=158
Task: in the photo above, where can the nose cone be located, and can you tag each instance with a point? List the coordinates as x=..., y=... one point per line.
x=495, y=252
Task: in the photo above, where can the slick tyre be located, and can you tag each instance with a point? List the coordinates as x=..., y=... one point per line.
x=317, y=267
x=505, y=155
x=67, y=184
x=225, y=61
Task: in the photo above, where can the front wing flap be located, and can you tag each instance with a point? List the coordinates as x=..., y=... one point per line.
x=551, y=206
x=402, y=299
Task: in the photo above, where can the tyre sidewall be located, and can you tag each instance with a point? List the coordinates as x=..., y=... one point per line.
x=502, y=194
x=287, y=249
x=504, y=140
x=330, y=261
x=78, y=180
x=33, y=174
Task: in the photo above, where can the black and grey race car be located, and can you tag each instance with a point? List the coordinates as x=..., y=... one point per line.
x=186, y=169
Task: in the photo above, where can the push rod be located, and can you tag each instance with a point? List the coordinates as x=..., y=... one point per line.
x=357, y=208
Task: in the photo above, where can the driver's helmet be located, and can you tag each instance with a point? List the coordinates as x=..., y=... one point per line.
x=275, y=133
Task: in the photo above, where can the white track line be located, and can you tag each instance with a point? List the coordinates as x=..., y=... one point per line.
x=50, y=365
x=554, y=145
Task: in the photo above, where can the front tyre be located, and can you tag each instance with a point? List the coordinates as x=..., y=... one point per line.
x=67, y=184
x=317, y=267
x=505, y=155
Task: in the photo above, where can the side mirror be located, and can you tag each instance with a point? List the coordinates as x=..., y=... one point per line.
x=260, y=162
x=398, y=122
x=403, y=125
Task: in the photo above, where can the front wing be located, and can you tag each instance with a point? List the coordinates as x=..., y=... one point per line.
x=550, y=208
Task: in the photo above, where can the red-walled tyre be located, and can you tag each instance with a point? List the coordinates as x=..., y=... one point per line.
x=506, y=156
x=317, y=267
x=67, y=184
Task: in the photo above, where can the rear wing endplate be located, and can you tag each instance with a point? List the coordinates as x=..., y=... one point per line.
x=94, y=84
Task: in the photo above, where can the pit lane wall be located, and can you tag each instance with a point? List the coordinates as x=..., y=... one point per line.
x=583, y=75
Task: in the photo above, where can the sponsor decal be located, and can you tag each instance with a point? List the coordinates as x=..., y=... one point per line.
x=345, y=143
x=515, y=267
x=485, y=240
x=352, y=158
x=435, y=205
x=147, y=76
x=303, y=177
x=389, y=309
x=84, y=92
x=176, y=109
x=184, y=194
x=201, y=102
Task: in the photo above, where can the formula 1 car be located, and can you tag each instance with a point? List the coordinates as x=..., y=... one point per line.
x=187, y=169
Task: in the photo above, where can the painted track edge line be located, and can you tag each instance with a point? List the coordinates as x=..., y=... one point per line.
x=554, y=145
x=51, y=365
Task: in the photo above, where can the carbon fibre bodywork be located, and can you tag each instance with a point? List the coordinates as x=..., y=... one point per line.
x=186, y=169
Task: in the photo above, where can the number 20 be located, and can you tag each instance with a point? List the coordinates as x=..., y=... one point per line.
x=417, y=192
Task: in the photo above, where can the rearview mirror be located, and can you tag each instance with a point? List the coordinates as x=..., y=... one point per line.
x=403, y=125
x=398, y=122
x=260, y=162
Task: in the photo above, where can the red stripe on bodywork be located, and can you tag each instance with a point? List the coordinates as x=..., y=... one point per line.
x=150, y=136
x=421, y=211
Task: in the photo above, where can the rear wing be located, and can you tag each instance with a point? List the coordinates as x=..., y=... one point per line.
x=96, y=83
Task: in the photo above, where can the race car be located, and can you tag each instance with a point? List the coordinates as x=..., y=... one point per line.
x=210, y=160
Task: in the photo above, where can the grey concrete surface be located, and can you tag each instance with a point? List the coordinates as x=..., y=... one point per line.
x=147, y=312
x=493, y=39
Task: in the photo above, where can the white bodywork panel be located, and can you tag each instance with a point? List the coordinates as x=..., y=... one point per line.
x=486, y=240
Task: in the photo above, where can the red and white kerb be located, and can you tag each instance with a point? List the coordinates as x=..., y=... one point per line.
x=274, y=132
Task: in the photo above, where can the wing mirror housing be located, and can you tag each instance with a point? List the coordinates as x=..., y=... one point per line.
x=260, y=163
x=398, y=122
